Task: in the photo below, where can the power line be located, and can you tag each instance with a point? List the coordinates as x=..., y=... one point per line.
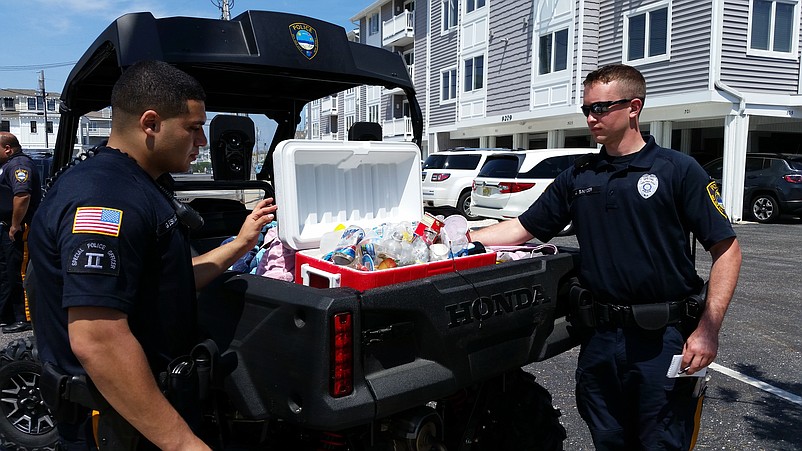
x=36, y=66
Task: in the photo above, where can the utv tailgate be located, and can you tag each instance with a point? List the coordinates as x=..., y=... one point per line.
x=414, y=342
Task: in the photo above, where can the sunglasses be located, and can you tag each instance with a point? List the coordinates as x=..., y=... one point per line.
x=602, y=107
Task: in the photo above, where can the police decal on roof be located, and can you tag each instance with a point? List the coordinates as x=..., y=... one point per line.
x=305, y=38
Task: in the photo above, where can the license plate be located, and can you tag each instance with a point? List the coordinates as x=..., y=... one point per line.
x=485, y=191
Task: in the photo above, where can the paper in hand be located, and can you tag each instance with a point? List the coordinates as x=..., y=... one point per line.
x=676, y=370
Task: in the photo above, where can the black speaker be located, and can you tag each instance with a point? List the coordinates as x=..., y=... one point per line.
x=365, y=131
x=232, y=139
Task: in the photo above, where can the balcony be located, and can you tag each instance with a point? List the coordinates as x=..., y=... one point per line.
x=400, y=30
x=98, y=131
x=401, y=126
x=328, y=106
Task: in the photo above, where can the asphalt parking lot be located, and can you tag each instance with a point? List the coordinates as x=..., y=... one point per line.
x=754, y=400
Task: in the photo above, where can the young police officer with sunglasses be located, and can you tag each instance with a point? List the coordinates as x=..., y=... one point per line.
x=634, y=206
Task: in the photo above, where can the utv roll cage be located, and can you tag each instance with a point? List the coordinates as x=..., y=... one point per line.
x=254, y=64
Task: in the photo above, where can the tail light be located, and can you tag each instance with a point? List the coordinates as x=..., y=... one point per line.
x=793, y=178
x=342, y=355
x=439, y=177
x=511, y=188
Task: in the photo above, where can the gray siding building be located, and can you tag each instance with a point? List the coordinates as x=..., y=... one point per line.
x=723, y=76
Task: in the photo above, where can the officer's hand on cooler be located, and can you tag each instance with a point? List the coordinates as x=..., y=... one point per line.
x=261, y=215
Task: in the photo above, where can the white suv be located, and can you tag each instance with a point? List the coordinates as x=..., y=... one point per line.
x=509, y=183
x=448, y=175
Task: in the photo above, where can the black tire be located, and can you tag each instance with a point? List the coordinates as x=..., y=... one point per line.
x=464, y=205
x=26, y=424
x=764, y=208
x=19, y=349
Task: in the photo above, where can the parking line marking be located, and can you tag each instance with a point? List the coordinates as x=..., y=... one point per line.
x=788, y=396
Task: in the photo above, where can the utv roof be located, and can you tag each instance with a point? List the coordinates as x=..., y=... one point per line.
x=254, y=63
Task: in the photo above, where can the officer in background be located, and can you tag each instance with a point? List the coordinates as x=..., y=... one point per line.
x=116, y=282
x=20, y=193
x=634, y=205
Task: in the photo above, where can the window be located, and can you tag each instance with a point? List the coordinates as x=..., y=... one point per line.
x=448, y=84
x=349, y=122
x=31, y=103
x=647, y=35
x=373, y=113
x=471, y=5
x=5, y=126
x=449, y=14
x=51, y=104
x=373, y=24
x=474, y=73
x=49, y=127
x=33, y=126
x=8, y=103
x=772, y=26
x=553, y=54
x=549, y=168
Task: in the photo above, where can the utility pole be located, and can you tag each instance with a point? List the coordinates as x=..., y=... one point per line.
x=225, y=8
x=44, y=103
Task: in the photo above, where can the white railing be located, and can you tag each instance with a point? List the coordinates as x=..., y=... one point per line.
x=401, y=126
x=399, y=27
x=98, y=131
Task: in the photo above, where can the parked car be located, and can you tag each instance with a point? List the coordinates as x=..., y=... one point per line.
x=509, y=183
x=448, y=175
x=772, y=184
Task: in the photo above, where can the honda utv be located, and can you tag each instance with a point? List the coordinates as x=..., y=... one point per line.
x=428, y=361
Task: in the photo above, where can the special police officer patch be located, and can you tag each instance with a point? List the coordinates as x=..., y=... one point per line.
x=21, y=175
x=94, y=257
x=647, y=185
x=305, y=39
x=715, y=197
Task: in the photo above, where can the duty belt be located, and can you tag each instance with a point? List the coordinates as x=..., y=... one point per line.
x=646, y=316
x=587, y=312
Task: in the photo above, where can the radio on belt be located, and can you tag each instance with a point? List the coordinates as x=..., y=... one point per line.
x=322, y=184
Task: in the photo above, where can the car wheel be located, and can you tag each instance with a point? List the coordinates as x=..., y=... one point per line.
x=765, y=208
x=25, y=421
x=464, y=206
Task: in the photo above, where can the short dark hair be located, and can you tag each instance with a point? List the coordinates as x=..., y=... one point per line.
x=7, y=139
x=632, y=81
x=155, y=85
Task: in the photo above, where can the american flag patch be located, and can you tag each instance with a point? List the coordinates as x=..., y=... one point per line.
x=103, y=221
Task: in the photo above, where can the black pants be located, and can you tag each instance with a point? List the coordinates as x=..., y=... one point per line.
x=80, y=436
x=12, y=294
x=623, y=393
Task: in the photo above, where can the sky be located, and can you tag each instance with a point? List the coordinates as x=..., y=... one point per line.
x=51, y=35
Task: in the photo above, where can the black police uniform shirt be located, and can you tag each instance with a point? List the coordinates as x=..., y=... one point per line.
x=19, y=175
x=106, y=236
x=633, y=217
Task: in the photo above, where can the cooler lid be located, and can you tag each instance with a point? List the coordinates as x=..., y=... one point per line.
x=321, y=184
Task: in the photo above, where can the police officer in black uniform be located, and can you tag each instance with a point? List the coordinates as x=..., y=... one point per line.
x=20, y=193
x=634, y=205
x=116, y=282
